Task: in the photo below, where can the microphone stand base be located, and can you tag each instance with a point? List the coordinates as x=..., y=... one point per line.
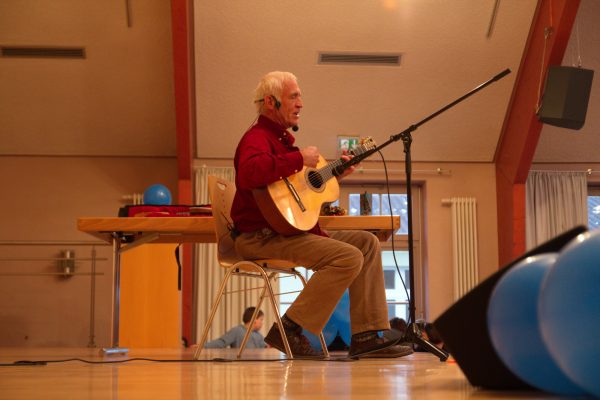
x=413, y=335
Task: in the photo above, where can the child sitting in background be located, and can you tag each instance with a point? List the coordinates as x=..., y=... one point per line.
x=235, y=336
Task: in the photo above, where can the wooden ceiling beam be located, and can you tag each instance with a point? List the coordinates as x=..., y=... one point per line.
x=546, y=44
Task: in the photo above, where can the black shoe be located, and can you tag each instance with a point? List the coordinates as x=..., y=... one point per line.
x=394, y=351
x=299, y=344
x=377, y=348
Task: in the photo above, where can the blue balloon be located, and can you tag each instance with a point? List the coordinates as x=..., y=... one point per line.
x=329, y=334
x=157, y=194
x=338, y=324
x=513, y=323
x=341, y=318
x=570, y=311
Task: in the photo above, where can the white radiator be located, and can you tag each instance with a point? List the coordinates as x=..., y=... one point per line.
x=464, y=243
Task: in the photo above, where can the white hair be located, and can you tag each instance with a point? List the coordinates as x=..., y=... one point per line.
x=271, y=85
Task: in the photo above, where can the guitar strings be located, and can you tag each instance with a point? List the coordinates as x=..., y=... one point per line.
x=318, y=177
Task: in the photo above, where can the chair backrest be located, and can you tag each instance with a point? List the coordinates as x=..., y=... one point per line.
x=221, y=193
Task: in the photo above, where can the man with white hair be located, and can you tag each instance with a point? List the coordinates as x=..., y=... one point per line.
x=341, y=259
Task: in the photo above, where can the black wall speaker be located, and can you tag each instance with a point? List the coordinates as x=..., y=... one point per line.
x=566, y=96
x=463, y=327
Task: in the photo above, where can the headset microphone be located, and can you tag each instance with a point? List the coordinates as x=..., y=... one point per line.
x=277, y=102
x=295, y=128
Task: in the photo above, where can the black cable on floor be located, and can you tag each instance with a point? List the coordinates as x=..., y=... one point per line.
x=219, y=360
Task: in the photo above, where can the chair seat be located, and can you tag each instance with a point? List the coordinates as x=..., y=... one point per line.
x=267, y=263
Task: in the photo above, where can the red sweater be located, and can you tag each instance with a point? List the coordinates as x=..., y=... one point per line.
x=265, y=154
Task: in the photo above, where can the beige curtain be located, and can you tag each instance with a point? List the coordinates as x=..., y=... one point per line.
x=209, y=274
x=555, y=202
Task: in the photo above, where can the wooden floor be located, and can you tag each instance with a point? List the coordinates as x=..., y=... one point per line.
x=263, y=375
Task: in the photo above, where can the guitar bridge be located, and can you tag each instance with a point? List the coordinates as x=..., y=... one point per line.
x=294, y=194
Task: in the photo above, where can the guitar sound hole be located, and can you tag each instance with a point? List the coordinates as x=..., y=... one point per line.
x=315, y=179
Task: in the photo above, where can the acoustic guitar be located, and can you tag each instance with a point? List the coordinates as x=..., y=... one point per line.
x=292, y=205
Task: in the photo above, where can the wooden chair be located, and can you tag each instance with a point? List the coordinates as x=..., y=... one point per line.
x=221, y=194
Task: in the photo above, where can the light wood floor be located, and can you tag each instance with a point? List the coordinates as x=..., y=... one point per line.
x=267, y=376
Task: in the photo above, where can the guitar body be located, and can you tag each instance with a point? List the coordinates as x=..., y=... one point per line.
x=282, y=202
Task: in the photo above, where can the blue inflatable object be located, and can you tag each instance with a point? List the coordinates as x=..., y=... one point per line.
x=329, y=333
x=157, y=194
x=338, y=324
x=513, y=323
x=341, y=318
x=569, y=310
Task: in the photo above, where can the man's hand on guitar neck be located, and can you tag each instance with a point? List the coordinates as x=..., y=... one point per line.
x=348, y=170
x=310, y=156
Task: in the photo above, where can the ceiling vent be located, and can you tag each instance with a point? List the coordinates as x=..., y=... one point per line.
x=42, y=52
x=360, y=59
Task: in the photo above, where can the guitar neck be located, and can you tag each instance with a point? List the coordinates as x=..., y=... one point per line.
x=335, y=168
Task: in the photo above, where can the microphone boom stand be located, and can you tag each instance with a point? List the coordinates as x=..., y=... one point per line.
x=413, y=333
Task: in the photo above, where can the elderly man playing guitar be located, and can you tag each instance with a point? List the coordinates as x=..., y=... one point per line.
x=275, y=216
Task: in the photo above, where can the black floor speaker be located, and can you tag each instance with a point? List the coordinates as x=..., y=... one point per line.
x=463, y=327
x=566, y=96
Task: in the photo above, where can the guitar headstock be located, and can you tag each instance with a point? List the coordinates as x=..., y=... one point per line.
x=365, y=144
x=368, y=143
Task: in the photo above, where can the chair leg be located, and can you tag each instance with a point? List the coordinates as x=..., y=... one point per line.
x=254, y=315
x=321, y=337
x=271, y=296
x=213, y=311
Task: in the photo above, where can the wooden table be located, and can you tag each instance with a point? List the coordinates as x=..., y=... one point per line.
x=135, y=230
x=127, y=233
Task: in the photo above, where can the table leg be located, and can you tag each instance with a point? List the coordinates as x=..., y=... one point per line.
x=116, y=292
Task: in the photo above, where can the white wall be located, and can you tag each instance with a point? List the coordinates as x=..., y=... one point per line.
x=76, y=135
x=446, y=52
x=42, y=198
x=117, y=101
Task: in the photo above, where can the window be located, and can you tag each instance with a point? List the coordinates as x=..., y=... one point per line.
x=390, y=279
x=396, y=294
x=593, y=202
x=379, y=204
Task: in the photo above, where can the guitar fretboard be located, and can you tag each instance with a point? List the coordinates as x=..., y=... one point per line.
x=318, y=177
